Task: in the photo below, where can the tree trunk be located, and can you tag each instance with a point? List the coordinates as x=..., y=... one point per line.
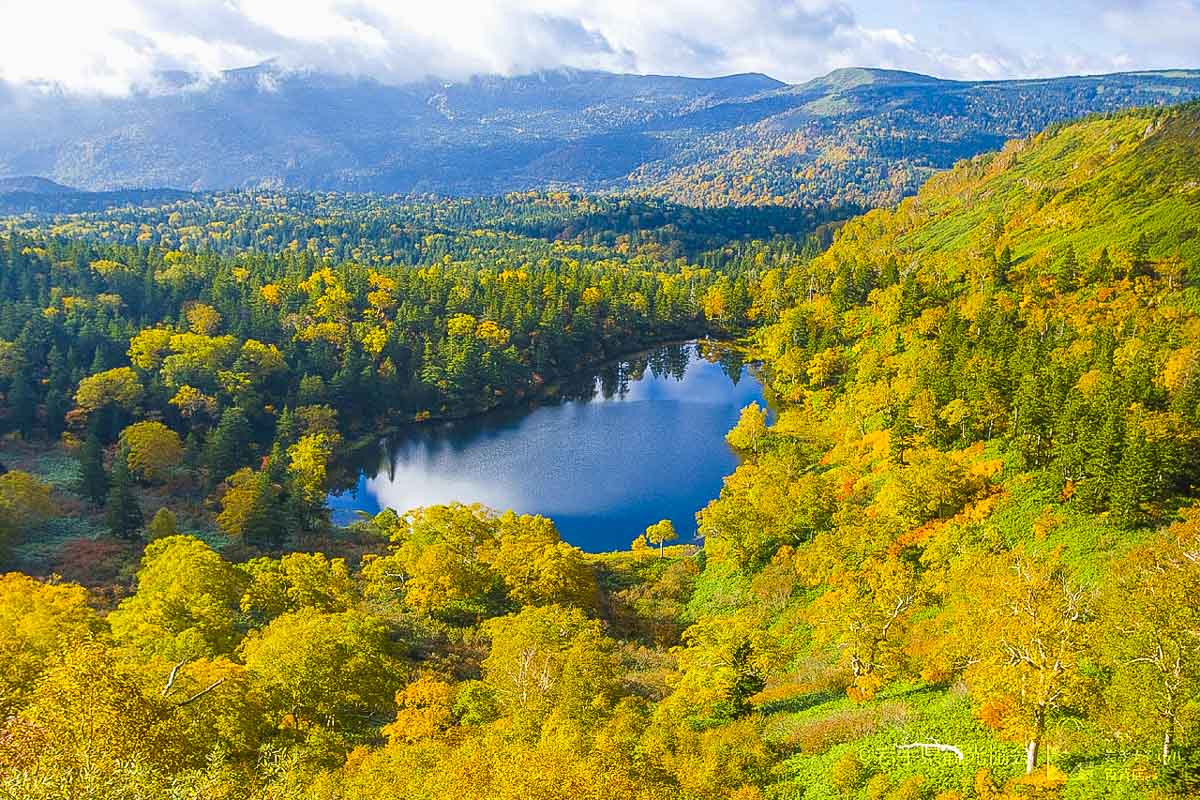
x=1168, y=740
x=1035, y=742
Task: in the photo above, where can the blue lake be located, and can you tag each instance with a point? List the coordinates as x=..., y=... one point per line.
x=634, y=442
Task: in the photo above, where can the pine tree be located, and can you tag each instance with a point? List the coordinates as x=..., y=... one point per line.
x=58, y=403
x=225, y=449
x=1139, y=257
x=1065, y=271
x=1133, y=480
x=1001, y=266
x=22, y=403
x=124, y=512
x=901, y=436
x=1102, y=269
x=747, y=680
x=93, y=479
x=265, y=526
x=287, y=430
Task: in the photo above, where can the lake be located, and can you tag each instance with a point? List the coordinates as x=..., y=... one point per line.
x=632, y=442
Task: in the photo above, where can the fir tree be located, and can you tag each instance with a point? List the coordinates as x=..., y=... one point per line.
x=1065, y=271
x=93, y=479
x=22, y=403
x=1139, y=257
x=747, y=680
x=1102, y=269
x=225, y=449
x=1000, y=267
x=265, y=526
x=124, y=512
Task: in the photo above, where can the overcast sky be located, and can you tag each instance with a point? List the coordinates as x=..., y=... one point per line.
x=111, y=45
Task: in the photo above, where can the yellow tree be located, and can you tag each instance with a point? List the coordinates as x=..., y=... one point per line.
x=660, y=533
x=440, y=560
x=90, y=721
x=864, y=617
x=1150, y=634
x=550, y=660
x=317, y=668
x=118, y=387
x=191, y=401
x=308, y=460
x=39, y=622
x=149, y=346
x=1030, y=624
x=539, y=568
x=424, y=711
x=203, y=319
x=296, y=581
x=24, y=500
x=152, y=449
x=186, y=603
x=750, y=433
x=238, y=501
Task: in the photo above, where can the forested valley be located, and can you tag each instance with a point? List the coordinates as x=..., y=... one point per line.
x=961, y=559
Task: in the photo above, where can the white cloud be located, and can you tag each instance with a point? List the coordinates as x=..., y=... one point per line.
x=109, y=46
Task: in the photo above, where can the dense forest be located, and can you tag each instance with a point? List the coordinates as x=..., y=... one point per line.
x=962, y=560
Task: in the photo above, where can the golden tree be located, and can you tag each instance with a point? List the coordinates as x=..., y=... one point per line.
x=152, y=449
x=1031, y=625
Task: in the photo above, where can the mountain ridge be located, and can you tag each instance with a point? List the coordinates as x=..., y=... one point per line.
x=859, y=136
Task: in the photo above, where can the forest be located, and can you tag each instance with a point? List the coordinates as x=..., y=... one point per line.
x=960, y=561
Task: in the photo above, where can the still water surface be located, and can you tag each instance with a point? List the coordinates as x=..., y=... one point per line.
x=634, y=442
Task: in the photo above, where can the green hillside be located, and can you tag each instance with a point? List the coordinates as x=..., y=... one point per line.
x=972, y=514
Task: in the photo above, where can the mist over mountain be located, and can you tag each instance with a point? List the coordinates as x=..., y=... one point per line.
x=855, y=136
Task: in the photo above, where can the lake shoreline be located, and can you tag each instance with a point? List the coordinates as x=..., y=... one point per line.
x=633, y=440
x=539, y=394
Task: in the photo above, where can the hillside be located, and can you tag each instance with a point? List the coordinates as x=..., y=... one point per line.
x=854, y=137
x=960, y=562
x=972, y=500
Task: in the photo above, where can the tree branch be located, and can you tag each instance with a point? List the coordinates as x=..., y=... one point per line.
x=171, y=678
x=202, y=692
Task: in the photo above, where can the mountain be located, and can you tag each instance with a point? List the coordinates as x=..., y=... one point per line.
x=32, y=184
x=855, y=136
x=33, y=195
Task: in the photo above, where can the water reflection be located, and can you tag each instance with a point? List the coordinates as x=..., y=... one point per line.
x=638, y=440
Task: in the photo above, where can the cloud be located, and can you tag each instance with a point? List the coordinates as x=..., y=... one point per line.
x=112, y=46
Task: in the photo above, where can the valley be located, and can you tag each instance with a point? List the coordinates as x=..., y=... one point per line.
x=582, y=435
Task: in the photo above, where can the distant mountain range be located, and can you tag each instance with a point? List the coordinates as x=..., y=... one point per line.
x=30, y=194
x=855, y=136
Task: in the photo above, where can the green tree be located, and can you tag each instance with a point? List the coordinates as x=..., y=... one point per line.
x=186, y=603
x=323, y=669
x=747, y=680
x=225, y=447
x=162, y=524
x=124, y=515
x=93, y=478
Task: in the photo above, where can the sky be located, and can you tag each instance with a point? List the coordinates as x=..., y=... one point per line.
x=113, y=46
